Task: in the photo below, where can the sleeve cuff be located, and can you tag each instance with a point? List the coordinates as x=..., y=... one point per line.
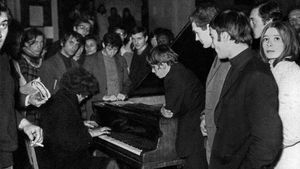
x=27, y=101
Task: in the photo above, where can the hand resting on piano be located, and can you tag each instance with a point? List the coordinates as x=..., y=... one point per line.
x=109, y=98
x=166, y=113
x=90, y=124
x=99, y=131
x=112, y=98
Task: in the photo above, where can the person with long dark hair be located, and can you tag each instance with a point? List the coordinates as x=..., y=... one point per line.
x=67, y=137
x=32, y=53
x=279, y=46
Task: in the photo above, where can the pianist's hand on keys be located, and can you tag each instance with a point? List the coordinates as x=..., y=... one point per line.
x=99, y=131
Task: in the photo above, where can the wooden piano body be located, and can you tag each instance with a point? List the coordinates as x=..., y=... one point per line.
x=160, y=135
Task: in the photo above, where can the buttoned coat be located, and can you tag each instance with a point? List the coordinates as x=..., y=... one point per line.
x=249, y=130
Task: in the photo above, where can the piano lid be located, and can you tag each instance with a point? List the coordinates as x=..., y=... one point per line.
x=150, y=86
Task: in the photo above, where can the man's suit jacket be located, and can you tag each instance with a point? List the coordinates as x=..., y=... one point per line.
x=249, y=130
x=185, y=98
x=9, y=118
x=52, y=70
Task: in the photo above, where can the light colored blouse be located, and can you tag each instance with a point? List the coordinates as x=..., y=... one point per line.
x=287, y=76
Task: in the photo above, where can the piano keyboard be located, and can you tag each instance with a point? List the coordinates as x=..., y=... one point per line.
x=121, y=144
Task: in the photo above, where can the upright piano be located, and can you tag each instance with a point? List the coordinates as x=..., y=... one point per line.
x=140, y=136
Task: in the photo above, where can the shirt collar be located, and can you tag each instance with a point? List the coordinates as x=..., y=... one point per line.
x=241, y=59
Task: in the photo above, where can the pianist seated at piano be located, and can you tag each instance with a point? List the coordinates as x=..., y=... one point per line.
x=184, y=96
x=66, y=138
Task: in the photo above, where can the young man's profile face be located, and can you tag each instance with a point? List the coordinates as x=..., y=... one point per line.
x=70, y=47
x=139, y=40
x=160, y=70
x=3, y=27
x=218, y=44
x=202, y=35
x=256, y=23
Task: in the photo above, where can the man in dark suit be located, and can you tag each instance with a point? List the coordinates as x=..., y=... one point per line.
x=185, y=101
x=249, y=130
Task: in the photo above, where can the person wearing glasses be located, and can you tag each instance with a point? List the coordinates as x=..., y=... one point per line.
x=184, y=100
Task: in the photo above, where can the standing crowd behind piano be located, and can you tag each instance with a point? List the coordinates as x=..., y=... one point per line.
x=246, y=116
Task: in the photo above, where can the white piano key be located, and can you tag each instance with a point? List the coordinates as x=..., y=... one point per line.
x=121, y=144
